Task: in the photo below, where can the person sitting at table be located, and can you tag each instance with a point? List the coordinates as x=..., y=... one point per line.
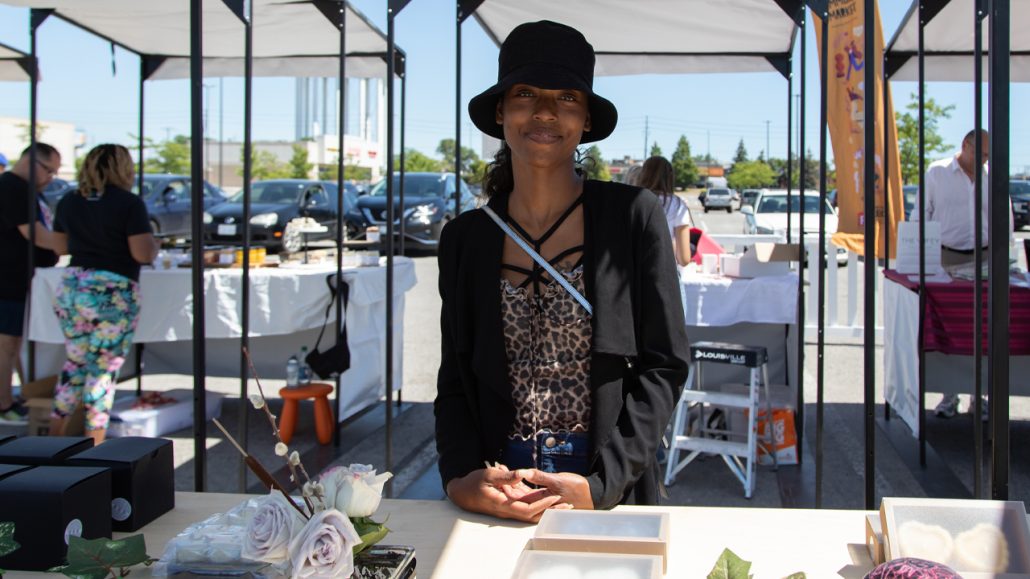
x=546, y=398
x=950, y=191
x=106, y=230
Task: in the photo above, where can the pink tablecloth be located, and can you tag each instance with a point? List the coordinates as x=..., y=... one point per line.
x=948, y=325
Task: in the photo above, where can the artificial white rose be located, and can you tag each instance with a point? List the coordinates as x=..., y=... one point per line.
x=324, y=547
x=355, y=490
x=270, y=530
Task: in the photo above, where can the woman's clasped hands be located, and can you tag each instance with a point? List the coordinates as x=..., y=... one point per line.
x=522, y=494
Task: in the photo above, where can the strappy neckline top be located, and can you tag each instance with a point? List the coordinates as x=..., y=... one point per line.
x=536, y=274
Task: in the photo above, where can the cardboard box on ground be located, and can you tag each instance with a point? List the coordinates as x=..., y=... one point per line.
x=39, y=399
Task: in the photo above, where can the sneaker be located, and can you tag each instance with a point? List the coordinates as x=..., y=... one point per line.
x=947, y=407
x=15, y=414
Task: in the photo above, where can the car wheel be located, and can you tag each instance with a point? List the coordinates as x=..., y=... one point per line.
x=293, y=240
x=706, y=210
x=729, y=210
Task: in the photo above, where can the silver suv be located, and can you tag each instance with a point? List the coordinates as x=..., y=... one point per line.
x=718, y=198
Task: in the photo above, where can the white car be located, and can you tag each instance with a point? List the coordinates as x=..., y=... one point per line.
x=718, y=198
x=768, y=216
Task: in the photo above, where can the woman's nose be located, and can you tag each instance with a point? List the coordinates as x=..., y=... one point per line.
x=546, y=108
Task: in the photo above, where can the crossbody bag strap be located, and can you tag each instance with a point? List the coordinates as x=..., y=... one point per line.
x=540, y=260
x=329, y=308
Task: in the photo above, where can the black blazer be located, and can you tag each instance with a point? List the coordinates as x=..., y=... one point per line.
x=639, y=351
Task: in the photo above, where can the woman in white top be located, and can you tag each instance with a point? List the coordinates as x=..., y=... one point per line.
x=656, y=175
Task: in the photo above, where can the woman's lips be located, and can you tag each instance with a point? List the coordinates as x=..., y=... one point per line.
x=543, y=136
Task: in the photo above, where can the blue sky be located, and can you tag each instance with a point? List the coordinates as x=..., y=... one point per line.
x=714, y=111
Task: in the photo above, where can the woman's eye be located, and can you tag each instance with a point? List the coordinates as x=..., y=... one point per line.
x=568, y=97
x=524, y=93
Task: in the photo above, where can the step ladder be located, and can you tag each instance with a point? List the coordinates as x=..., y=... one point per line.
x=701, y=439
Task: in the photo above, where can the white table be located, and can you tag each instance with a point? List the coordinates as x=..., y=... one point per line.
x=287, y=307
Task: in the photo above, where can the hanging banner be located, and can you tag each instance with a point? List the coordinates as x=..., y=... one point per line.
x=846, y=93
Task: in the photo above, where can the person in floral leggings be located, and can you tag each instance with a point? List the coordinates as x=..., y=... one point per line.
x=106, y=230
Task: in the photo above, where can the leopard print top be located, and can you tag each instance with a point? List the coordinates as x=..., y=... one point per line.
x=547, y=340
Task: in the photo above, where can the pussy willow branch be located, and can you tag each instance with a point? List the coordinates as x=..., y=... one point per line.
x=275, y=430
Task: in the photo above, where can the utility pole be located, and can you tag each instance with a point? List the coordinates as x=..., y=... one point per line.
x=221, y=130
x=708, y=154
x=647, y=128
x=767, y=154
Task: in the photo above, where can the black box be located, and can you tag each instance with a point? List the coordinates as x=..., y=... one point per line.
x=43, y=450
x=142, y=478
x=7, y=470
x=6, y=438
x=48, y=504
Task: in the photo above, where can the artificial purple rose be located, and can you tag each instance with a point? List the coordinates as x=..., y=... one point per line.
x=912, y=568
x=324, y=547
x=271, y=529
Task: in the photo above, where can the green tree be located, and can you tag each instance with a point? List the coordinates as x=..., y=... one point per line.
x=416, y=161
x=741, y=155
x=779, y=167
x=264, y=165
x=656, y=151
x=468, y=157
x=300, y=168
x=751, y=175
x=171, y=157
x=594, y=165
x=908, y=135
x=350, y=172
x=684, y=170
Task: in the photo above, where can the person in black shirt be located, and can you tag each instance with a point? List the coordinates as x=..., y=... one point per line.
x=14, y=260
x=106, y=230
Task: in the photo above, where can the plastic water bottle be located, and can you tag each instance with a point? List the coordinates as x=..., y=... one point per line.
x=292, y=372
x=304, y=376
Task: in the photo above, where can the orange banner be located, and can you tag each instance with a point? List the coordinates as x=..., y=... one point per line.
x=846, y=118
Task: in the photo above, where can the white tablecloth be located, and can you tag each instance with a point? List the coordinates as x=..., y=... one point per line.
x=287, y=307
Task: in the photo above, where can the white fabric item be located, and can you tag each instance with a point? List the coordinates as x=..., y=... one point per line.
x=724, y=301
x=296, y=67
x=950, y=198
x=658, y=36
x=676, y=213
x=945, y=68
x=10, y=70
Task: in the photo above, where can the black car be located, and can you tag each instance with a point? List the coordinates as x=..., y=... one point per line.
x=1019, y=192
x=168, y=200
x=428, y=206
x=274, y=204
x=911, y=192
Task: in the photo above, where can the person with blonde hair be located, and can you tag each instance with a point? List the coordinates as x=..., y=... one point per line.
x=656, y=175
x=106, y=230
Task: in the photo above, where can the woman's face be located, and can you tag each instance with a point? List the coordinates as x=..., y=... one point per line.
x=543, y=127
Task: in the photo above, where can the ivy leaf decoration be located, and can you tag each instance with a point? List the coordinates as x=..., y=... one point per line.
x=797, y=576
x=7, y=543
x=370, y=532
x=99, y=558
x=730, y=566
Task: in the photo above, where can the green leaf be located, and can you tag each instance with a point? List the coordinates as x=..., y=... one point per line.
x=797, y=575
x=370, y=535
x=121, y=553
x=79, y=572
x=730, y=566
x=7, y=543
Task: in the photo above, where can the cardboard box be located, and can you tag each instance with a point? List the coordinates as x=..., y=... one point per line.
x=761, y=259
x=142, y=478
x=626, y=533
x=874, y=538
x=42, y=388
x=48, y=504
x=43, y=450
x=39, y=418
x=153, y=422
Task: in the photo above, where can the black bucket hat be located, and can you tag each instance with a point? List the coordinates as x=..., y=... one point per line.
x=547, y=55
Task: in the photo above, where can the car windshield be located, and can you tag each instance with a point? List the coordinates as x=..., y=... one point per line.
x=148, y=185
x=778, y=204
x=272, y=192
x=718, y=192
x=1021, y=188
x=415, y=186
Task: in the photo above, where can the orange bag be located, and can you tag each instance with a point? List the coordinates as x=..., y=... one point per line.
x=785, y=438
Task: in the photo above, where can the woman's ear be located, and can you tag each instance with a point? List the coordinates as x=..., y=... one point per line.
x=499, y=113
x=586, y=123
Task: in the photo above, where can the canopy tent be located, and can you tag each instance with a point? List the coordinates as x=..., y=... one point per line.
x=14, y=64
x=664, y=36
x=948, y=43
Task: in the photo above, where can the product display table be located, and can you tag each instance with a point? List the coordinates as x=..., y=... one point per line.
x=453, y=544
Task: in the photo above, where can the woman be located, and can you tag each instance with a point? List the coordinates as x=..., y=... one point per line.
x=106, y=230
x=563, y=400
x=656, y=176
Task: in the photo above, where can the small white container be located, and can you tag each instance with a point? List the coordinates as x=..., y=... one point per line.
x=561, y=565
x=623, y=532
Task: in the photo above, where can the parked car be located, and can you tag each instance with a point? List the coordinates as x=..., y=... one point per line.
x=910, y=193
x=428, y=206
x=55, y=190
x=168, y=199
x=1019, y=193
x=769, y=216
x=748, y=196
x=274, y=204
x=718, y=198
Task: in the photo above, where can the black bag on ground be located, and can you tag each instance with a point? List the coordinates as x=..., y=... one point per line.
x=335, y=360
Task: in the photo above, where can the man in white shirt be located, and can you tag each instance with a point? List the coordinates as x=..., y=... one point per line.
x=950, y=197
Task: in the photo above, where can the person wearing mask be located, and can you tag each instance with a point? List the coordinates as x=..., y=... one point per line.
x=106, y=230
x=14, y=259
x=559, y=370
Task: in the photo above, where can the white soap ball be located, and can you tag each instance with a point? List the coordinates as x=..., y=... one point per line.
x=982, y=548
x=922, y=541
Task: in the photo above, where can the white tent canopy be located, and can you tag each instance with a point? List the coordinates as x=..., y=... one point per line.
x=10, y=64
x=291, y=38
x=662, y=36
x=948, y=43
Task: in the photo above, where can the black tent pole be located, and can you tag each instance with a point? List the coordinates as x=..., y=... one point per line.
x=978, y=433
x=790, y=178
x=197, y=233
x=802, y=258
x=139, y=185
x=998, y=241
x=887, y=224
x=820, y=372
x=457, y=107
x=404, y=90
x=36, y=18
x=922, y=249
x=340, y=227
x=393, y=7
x=869, y=303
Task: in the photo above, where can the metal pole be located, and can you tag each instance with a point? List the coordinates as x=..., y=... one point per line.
x=197, y=232
x=790, y=178
x=341, y=230
x=36, y=18
x=457, y=107
x=139, y=185
x=886, y=196
x=820, y=371
x=221, y=129
x=801, y=230
x=869, y=304
x=404, y=88
x=390, y=213
x=922, y=250
x=998, y=241
x=248, y=112
x=978, y=433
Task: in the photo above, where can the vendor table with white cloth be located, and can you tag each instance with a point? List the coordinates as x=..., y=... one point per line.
x=759, y=311
x=949, y=373
x=287, y=308
x=454, y=544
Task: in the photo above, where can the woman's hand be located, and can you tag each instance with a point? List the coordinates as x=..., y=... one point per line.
x=502, y=493
x=572, y=488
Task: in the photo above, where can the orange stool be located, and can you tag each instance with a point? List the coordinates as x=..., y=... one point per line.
x=323, y=414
